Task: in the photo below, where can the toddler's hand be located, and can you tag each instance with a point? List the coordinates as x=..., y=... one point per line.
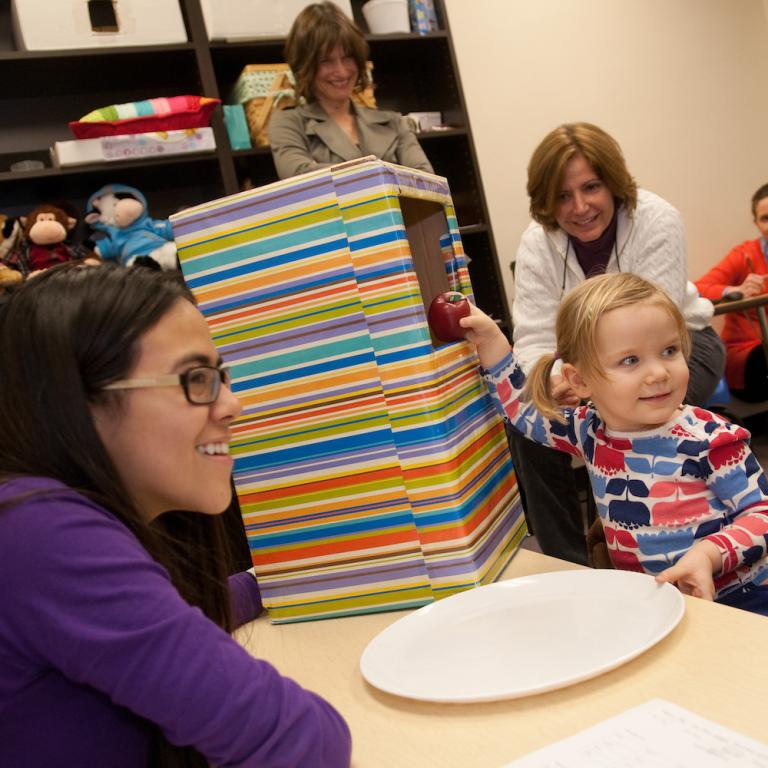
x=692, y=573
x=482, y=331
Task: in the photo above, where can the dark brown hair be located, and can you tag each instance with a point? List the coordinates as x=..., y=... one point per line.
x=761, y=194
x=316, y=31
x=546, y=168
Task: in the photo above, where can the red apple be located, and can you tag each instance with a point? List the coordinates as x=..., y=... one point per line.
x=444, y=314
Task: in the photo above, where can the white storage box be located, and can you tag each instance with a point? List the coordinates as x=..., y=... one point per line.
x=132, y=146
x=65, y=24
x=385, y=17
x=426, y=121
x=244, y=19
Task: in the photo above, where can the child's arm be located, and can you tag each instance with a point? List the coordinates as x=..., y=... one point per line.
x=506, y=381
x=738, y=482
x=692, y=573
x=492, y=347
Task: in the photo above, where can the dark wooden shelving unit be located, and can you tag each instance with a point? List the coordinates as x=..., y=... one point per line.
x=44, y=91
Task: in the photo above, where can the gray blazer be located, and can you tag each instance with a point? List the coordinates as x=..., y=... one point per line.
x=305, y=138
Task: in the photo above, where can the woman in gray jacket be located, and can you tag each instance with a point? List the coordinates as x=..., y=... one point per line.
x=589, y=217
x=328, y=55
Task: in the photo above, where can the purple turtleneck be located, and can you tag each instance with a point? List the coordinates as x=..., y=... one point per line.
x=593, y=257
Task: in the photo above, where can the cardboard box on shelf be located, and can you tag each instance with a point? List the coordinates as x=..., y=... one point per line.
x=244, y=19
x=132, y=146
x=38, y=27
x=426, y=121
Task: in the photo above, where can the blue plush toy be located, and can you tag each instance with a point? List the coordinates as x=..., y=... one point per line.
x=119, y=213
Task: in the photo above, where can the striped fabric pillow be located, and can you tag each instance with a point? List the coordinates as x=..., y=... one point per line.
x=160, y=114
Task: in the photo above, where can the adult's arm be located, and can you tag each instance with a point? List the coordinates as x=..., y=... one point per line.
x=409, y=151
x=82, y=596
x=729, y=272
x=656, y=247
x=244, y=597
x=290, y=145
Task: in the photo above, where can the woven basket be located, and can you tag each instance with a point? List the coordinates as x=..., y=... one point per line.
x=262, y=88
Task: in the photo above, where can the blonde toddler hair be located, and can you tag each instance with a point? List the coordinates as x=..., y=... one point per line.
x=576, y=329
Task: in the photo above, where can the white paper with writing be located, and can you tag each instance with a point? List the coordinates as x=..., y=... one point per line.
x=657, y=733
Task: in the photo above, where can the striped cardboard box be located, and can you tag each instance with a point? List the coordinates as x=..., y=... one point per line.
x=370, y=465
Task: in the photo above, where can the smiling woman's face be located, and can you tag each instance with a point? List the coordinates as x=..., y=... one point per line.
x=585, y=204
x=169, y=453
x=336, y=76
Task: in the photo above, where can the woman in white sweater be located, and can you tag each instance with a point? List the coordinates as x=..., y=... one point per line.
x=589, y=217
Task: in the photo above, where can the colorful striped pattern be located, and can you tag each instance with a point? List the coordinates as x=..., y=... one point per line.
x=371, y=467
x=159, y=107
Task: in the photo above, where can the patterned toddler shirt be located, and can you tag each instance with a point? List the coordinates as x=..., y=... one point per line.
x=661, y=490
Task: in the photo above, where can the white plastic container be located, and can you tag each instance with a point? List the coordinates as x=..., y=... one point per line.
x=132, y=146
x=247, y=19
x=36, y=27
x=387, y=16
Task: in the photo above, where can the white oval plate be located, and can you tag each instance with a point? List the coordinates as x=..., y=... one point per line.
x=523, y=636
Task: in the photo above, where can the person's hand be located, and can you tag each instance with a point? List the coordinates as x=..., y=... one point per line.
x=692, y=573
x=562, y=393
x=481, y=330
x=754, y=285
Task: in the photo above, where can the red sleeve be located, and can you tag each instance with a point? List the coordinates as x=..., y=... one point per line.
x=731, y=270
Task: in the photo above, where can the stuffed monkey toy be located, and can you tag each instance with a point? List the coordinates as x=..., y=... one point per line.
x=46, y=229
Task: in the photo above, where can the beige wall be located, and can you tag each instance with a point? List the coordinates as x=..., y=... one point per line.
x=679, y=83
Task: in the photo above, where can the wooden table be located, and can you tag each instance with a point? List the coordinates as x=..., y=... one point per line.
x=713, y=663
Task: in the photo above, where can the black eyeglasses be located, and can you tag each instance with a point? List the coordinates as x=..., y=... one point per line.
x=201, y=384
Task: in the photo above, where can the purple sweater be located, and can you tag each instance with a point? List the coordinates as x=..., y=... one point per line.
x=95, y=641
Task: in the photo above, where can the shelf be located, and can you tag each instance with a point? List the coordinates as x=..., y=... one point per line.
x=473, y=229
x=279, y=42
x=76, y=53
x=408, y=36
x=252, y=152
x=441, y=134
x=106, y=166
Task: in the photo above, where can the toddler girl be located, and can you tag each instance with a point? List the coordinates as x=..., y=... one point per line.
x=678, y=490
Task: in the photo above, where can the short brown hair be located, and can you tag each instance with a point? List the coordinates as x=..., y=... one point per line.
x=547, y=168
x=761, y=194
x=315, y=32
x=576, y=329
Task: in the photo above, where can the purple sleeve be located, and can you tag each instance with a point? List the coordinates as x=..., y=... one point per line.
x=244, y=598
x=81, y=595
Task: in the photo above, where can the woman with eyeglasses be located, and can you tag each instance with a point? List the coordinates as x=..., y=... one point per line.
x=115, y=416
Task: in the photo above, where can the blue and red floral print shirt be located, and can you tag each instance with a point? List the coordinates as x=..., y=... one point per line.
x=661, y=490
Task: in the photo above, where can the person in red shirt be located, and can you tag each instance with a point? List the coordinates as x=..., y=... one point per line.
x=744, y=270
